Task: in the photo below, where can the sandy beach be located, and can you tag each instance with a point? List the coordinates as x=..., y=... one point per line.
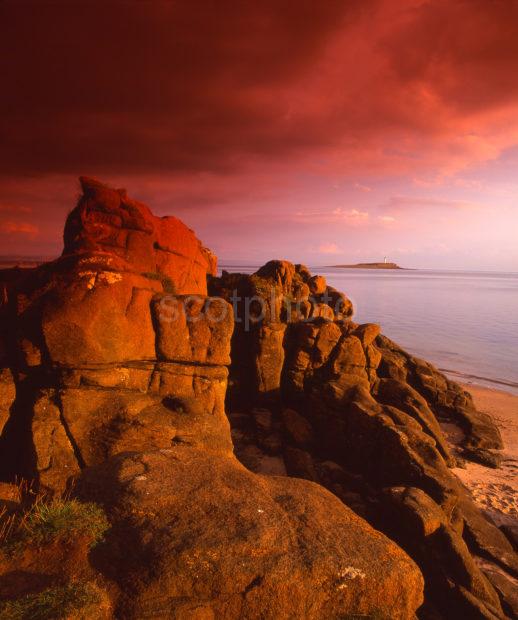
x=496, y=490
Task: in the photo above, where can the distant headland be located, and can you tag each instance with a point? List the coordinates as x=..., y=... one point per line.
x=23, y=262
x=370, y=266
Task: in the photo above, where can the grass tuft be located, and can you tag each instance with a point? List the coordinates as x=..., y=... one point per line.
x=52, y=604
x=59, y=519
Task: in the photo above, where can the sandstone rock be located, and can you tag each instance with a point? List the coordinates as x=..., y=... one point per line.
x=275, y=546
x=405, y=398
x=281, y=271
x=272, y=443
x=56, y=461
x=373, y=357
x=96, y=319
x=317, y=285
x=262, y=419
x=303, y=272
x=445, y=399
x=7, y=395
x=367, y=333
x=269, y=357
x=485, y=538
x=424, y=515
x=324, y=343
x=258, y=461
x=511, y=531
x=183, y=404
x=444, y=556
x=107, y=221
x=341, y=305
x=506, y=589
x=337, y=474
x=299, y=430
x=107, y=367
x=374, y=410
x=108, y=384
x=349, y=357
x=489, y=458
x=299, y=464
x=10, y=497
x=322, y=311
x=193, y=329
x=279, y=290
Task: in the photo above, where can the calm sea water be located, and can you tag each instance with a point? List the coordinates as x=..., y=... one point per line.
x=466, y=323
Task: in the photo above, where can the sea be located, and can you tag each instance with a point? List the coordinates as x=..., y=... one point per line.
x=464, y=322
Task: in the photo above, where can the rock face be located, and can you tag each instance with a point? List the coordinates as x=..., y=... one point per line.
x=104, y=363
x=7, y=395
x=225, y=543
x=114, y=376
x=351, y=410
x=107, y=222
x=267, y=302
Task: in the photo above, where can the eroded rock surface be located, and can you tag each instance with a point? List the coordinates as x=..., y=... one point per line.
x=210, y=539
x=114, y=378
x=7, y=395
x=351, y=410
x=104, y=363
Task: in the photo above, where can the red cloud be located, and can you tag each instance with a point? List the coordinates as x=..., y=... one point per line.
x=171, y=87
x=19, y=228
x=247, y=108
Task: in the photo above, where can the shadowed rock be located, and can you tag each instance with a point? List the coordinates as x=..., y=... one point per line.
x=361, y=416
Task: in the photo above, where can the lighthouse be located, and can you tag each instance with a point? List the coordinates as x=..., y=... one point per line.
x=385, y=261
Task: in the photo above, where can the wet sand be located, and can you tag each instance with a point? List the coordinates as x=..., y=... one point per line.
x=496, y=490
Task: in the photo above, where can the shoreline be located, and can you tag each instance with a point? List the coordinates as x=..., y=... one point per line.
x=469, y=381
x=495, y=491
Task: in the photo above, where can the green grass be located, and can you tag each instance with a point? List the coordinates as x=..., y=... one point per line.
x=63, y=520
x=66, y=519
x=51, y=604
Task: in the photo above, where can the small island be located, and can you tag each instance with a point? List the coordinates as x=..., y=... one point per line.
x=370, y=266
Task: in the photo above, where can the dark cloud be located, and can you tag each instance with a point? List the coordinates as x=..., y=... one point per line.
x=147, y=84
x=234, y=106
x=182, y=85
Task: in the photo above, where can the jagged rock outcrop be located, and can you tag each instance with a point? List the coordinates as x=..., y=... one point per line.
x=104, y=363
x=107, y=221
x=351, y=410
x=115, y=370
x=446, y=398
x=265, y=303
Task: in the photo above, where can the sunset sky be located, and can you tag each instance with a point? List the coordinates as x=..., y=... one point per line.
x=317, y=131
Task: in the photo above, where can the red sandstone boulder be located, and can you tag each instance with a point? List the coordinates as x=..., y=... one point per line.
x=104, y=368
x=193, y=329
x=317, y=285
x=92, y=305
x=213, y=540
x=107, y=221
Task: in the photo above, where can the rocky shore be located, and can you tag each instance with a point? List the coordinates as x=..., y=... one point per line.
x=257, y=453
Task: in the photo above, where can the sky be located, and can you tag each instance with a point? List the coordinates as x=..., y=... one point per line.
x=317, y=132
